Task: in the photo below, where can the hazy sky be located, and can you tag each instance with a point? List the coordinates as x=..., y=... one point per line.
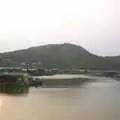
x=93, y=24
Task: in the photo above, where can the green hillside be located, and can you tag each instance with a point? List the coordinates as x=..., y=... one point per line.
x=59, y=55
x=114, y=58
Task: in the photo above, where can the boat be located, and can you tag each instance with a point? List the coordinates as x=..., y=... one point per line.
x=14, y=82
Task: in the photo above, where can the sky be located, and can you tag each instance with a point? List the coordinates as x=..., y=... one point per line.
x=92, y=24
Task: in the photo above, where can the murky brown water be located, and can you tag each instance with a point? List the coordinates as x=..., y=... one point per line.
x=93, y=101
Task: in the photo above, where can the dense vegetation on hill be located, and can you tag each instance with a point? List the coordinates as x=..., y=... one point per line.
x=114, y=58
x=57, y=55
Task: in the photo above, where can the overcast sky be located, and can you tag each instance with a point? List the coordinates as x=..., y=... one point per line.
x=93, y=24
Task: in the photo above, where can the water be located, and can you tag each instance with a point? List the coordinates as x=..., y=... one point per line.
x=92, y=101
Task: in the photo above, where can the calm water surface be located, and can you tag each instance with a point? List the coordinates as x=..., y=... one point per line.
x=92, y=101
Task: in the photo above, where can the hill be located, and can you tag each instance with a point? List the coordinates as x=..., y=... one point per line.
x=59, y=55
x=114, y=58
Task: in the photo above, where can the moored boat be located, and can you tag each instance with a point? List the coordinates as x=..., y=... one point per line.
x=13, y=82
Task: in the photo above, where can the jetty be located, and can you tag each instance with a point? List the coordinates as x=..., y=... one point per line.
x=61, y=80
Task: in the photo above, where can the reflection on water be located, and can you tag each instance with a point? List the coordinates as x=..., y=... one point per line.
x=93, y=101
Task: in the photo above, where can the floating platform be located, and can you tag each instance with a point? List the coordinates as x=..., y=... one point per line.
x=61, y=80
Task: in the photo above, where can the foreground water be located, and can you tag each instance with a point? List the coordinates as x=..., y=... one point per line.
x=92, y=101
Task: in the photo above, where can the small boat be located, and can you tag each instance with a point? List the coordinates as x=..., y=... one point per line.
x=14, y=82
